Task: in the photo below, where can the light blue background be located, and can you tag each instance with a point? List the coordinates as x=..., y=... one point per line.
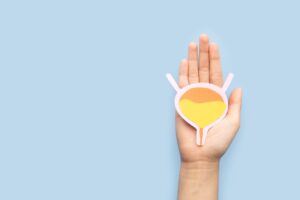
x=87, y=113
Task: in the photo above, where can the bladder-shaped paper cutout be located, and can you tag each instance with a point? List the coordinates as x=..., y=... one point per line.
x=202, y=105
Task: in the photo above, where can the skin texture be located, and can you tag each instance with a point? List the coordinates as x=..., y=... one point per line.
x=200, y=164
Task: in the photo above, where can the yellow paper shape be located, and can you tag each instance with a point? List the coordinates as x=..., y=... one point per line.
x=202, y=114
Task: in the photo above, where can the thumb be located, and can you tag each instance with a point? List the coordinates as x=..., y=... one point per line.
x=234, y=107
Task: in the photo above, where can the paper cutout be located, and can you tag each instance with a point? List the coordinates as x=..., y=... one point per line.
x=202, y=105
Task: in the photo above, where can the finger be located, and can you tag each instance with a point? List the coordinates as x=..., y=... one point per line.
x=193, y=63
x=234, y=107
x=215, y=70
x=203, y=58
x=183, y=74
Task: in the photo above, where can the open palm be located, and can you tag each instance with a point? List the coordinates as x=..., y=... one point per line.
x=204, y=65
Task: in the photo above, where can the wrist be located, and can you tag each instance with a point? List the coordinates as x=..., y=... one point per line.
x=198, y=171
x=198, y=180
x=211, y=165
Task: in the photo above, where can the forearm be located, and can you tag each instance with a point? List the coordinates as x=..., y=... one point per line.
x=198, y=181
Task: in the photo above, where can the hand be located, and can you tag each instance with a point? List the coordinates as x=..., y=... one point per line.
x=204, y=65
